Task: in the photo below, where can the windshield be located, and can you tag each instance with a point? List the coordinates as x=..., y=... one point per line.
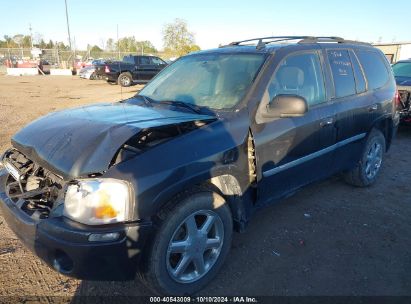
x=217, y=81
x=402, y=69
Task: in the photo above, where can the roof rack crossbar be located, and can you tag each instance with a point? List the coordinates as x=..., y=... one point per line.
x=270, y=37
x=302, y=39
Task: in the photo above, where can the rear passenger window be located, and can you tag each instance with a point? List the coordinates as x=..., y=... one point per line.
x=144, y=60
x=358, y=74
x=299, y=74
x=343, y=75
x=374, y=68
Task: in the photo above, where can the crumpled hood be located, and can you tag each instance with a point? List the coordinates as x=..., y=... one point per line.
x=403, y=81
x=84, y=140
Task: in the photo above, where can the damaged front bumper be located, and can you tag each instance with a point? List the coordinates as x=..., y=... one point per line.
x=405, y=103
x=70, y=248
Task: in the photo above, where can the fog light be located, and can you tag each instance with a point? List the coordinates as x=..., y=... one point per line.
x=103, y=237
x=62, y=262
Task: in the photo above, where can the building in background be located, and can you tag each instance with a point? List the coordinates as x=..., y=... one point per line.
x=395, y=51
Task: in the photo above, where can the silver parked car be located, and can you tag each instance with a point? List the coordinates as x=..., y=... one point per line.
x=90, y=71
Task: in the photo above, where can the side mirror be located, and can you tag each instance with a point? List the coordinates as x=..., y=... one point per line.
x=287, y=106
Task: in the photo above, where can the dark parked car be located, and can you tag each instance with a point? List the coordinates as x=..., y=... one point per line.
x=402, y=73
x=133, y=69
x=45, y=66
x=155, y=184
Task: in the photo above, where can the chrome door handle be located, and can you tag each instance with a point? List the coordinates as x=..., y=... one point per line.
x=327, y=122
x=373, y=108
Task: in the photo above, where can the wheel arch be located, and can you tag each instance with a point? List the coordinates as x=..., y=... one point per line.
x=386, y=126
x=227, y=185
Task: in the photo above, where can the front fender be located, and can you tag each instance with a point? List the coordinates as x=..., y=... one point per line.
x=184, y=161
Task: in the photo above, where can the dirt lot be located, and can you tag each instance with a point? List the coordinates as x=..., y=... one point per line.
x=328, y=239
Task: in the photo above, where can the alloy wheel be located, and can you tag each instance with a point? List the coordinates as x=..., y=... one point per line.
x=125, y=81
x=373, y=160
x=195, y=246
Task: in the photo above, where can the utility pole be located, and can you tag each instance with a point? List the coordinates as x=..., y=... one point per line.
x=31, y=35
x=68, y=26
x=118, y=44
x=74, y=46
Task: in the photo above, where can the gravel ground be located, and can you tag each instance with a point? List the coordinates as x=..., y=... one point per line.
x=328, y=239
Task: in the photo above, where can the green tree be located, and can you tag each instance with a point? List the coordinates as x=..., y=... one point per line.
x=95, y=51
x=146, y=46
x=8, y=42
x=50, y=44
x=26, y=41
x=61, y=46
x=96, y=48
x=177, y=39
x=131, y=45
x=41, y=44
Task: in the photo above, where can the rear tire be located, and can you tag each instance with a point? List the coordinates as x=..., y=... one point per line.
x=125, y=79
x=366, y=171
x=192, y=242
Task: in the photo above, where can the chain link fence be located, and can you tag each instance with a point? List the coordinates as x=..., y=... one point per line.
x=63, y=58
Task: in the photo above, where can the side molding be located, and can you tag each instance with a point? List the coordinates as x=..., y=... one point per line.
x=313, y=155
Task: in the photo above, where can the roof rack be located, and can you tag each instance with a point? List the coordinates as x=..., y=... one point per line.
x=263, y=41
x=331, y=39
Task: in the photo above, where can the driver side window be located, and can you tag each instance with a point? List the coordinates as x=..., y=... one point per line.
x=299, y=74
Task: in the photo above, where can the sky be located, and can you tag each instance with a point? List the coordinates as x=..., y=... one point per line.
x=213, y=22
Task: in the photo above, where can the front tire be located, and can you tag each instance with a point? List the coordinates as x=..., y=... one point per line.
x=366, y=171
x=191, y=244
x=125, y=79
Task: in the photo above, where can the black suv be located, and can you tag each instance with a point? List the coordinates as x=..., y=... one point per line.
x=157, y=183
x=133, y=69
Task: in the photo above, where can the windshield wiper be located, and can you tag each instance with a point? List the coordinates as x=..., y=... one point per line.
x=148, y=100
x=182, y=104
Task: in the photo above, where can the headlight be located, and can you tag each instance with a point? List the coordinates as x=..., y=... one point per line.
x=98, y=201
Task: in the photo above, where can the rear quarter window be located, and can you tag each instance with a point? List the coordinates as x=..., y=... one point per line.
x=342, y=72
x=374, y=68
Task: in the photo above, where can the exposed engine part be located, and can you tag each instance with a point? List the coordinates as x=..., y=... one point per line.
x=33, y=188
x=33, y=182
x=251, y=159
x=405, y=99
x=149, y=138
